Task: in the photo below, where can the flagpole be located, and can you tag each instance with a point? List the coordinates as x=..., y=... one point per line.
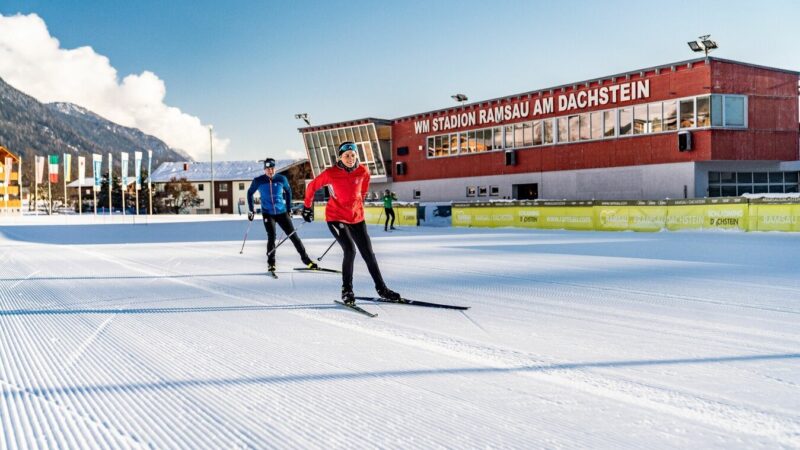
x=50, y=194
x=80, y=197
x=149, y=176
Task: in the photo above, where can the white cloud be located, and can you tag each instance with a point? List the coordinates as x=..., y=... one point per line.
x=296, y=154
x=33, y=61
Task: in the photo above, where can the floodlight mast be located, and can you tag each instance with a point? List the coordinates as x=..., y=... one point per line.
x=303, y=117
x=460, y=98
x=703, y=44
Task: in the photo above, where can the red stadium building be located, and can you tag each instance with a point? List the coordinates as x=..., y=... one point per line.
x=708, y=127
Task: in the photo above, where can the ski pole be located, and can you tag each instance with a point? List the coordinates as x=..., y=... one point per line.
x=326, y=251
x=379, y=218
x=245, y=236
x=284, y=239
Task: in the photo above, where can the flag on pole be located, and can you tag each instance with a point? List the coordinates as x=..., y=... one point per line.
x=97, y=168
x=81, y=170
x=39, y=163
x=124, y=168
x=52, y=168
x=137, y=168
x=67, y=167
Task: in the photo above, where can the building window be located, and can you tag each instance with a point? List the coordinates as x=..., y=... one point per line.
x=241, y=186
x=494, y=191
x=640, y=122
x=670, y=115
x=574, y=128
x=223, y=202
x=417, y=194
x=609, y=123
x=223, y=187
x=726, y=110
x=482, y=191
x=687, y=113
x=703, y=112
x=547, y=127
x=734, y=111
x=471, y=191
x=563, y=129
x=716, y=110
x=740, y=183
x=625, y=121
x=201, y=187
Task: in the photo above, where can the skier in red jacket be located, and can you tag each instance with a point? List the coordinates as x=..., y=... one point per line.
x=348, y=183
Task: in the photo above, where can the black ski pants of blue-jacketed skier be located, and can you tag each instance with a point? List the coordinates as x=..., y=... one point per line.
x=351, y=236
x=286, y=225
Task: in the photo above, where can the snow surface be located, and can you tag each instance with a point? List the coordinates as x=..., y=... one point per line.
x=160, y=334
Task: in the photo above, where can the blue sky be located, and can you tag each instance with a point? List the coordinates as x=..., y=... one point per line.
x=247, y=67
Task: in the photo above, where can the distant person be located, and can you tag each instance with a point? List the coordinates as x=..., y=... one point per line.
x=388, y=196
x=349, y=183
x=275, y=196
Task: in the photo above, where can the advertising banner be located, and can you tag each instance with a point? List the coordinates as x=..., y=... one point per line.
x=567, y=215
x=39, y=163
x=81, y=170
x=612, y=215
x=774, y=214
x=137, y=169
x=97, y=168
x=67, y=167
x=124, y=171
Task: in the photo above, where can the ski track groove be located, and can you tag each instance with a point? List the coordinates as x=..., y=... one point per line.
x=709, y=411
x=184, y=282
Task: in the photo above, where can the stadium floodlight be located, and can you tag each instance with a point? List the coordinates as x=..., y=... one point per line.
x=704, y=44
x=461, y=98
x=695, y=46
x=303, y=117
x=709, y=44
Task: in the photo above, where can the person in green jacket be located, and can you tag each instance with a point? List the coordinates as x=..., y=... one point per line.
x=388, y=196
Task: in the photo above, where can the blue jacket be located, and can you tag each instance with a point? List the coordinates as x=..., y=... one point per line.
x=275, y=194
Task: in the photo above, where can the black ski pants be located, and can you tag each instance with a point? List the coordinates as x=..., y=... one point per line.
x=389, y=213
x=351, y=236
x=285, y=223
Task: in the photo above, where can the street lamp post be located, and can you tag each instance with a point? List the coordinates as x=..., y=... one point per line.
x=211, y=147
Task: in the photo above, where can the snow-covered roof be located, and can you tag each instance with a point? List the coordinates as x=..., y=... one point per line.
x=89, y=181
x=223, y=170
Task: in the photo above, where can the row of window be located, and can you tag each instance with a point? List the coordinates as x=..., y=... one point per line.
x=322, y=147
x=483, y=191
x=657, y=117
x=731, y=184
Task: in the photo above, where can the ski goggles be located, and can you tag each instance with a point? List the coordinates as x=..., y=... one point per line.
x=347, y=147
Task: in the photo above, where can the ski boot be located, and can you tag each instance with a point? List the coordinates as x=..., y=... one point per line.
x=388, y=294
x=271, y=268
x=348, y=297
x=310, y=265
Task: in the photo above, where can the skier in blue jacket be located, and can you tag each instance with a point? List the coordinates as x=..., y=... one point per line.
x=276, y=199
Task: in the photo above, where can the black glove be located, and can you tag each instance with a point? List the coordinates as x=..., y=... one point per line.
x=308, y=214
x=250, y=216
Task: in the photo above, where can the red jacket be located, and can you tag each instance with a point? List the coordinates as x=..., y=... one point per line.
x=347, y=190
